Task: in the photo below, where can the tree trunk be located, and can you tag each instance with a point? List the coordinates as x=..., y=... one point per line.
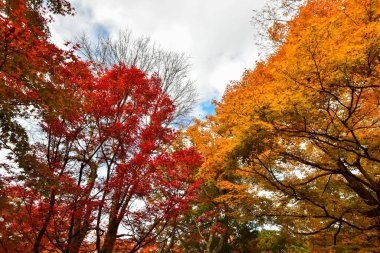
x=110, y=237
x=208, y=245
x=79, y=226
x=76, y=241
x=41, y=233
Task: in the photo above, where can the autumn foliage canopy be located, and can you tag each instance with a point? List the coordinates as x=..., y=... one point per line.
x=90, y=161
x=104, y=155
x=296, y=141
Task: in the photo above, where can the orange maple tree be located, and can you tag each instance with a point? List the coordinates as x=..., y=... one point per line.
x=297, y=139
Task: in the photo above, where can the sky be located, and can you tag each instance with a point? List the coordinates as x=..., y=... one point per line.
x=217, y=35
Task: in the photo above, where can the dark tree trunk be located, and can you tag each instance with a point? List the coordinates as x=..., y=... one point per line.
x=110, y=237
x=41, y=233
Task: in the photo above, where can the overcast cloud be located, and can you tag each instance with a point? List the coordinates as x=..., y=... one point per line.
x=216, y=34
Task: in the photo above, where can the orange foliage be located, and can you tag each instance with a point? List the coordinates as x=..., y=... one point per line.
x=298, y=138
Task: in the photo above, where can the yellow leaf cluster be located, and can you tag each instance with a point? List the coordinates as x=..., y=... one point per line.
x=305, y=124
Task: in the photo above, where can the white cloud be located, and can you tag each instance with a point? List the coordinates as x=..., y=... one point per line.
x=217, y=35
x=180, y=42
